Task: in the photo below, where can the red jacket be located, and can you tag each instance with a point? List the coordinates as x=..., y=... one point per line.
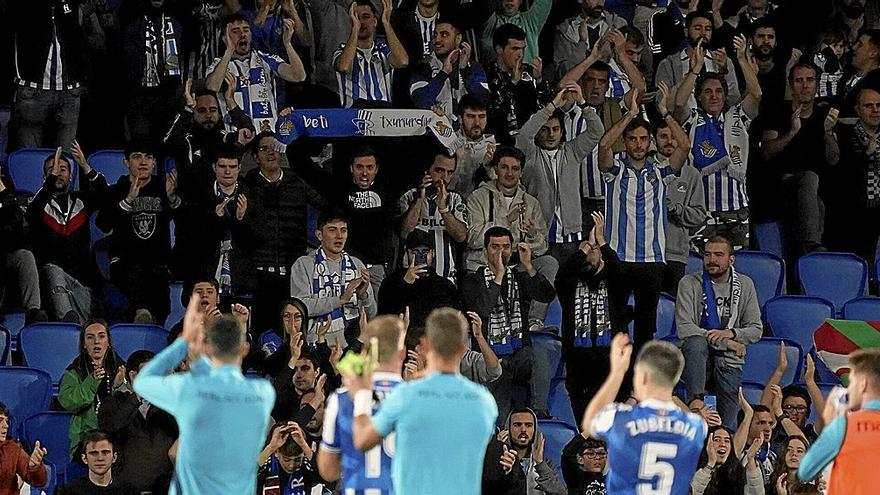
x=14, y=460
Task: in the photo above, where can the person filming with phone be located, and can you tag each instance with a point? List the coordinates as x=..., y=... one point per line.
x=717, y=315
x=853, y=432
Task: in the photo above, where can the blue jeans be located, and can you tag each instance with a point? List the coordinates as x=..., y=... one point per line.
x=699, y=361
x=66, y=293
x=40, y=113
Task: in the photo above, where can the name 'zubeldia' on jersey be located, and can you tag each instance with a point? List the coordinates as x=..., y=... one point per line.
x=660, y=424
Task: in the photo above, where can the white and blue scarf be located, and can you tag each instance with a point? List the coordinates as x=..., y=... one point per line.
x=710, y=318
x=327, y=284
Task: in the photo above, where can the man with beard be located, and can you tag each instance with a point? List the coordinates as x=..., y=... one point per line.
x=198, y=131
x=583, y=465
x=717, y=315
x=793, y=146
x=477, y=149
x=582, y=286
x=515, y=463
x=635, y=206
x=59, y=225
x=771, y=75
x=675, y=69
x=719, y=137
x=364, y=54
x=98, y=454
x=578, y=35
x=253, y=73
x=448, y=73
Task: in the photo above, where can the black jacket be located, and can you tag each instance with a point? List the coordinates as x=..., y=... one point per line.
x=277, y=217
x=34, y=31
x=571, y=272
x=142, y=442
x=426, y=294
x=13, y=233
x=578, y=481
x=59, y=226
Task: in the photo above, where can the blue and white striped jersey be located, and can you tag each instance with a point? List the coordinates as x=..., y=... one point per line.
x=431, y=220
x=370, y=76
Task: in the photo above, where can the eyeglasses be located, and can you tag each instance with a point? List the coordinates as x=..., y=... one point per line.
x=594, y=454
x=795, y=408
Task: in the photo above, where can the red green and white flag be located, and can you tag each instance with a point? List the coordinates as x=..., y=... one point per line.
x=836, y=339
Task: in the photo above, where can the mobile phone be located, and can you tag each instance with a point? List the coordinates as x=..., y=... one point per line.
x=431, y=191
x=421, y=257
x=711, y=403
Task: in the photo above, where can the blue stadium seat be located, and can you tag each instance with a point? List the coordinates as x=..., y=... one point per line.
x=26, y=168
x=547, y=347
x=766, y=270
x=270, y=342
x=110, y=163
x=25, y=391
x=797, y=317
x=762, y=357
x=51, y=429
x=862, y=308
x=560, y=403
x=5, y=345
x=666, y=319
x=14, y=322
x=554, y=314
x=752, y=392
x=557, y=434
x=694, y=264
x=768, y=237
x=836, y=277
x=130, y=337
x=50, y=347
x=177, y=309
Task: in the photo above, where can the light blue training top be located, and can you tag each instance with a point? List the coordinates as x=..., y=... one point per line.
x=827, y=446
x=443, y=423
x=222, y=416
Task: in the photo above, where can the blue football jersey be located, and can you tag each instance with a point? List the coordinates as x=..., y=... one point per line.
x=361, y=471
x=653, y=447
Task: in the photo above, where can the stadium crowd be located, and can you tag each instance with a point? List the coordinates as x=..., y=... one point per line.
x=306, y=166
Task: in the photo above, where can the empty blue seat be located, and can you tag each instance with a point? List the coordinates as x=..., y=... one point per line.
x=559, y=404
x=836, y=277
x=557, y=434
x=752, y=392
x=177, y=309
x=862, y=308
x=25, y=391
x=766, y=270
x=665, y=318
x=26, y=168
x=13, y=321
x=768, y=237
x=110, y=163
x=5, y=345
x=50, y=347
x=130, y=337
x=797, y=317
x=554, y=314
x=694, y=263
x=52, y=429
x=763, y=355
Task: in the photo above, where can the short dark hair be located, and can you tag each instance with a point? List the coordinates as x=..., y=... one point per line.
x=762, y=23
x=95, y=436
x=331, y=215
x=600, y=66
x=227, y=152
x=756, y=408
x=833, y=35
x=232, y=18
x=496, y=231
x=190, y=286
x=139, y=146
x=797, y=391
x=364, y=151
x=225, y=335
x=4, y=411
x=705, y=77
x=255, y=144
x=638, y=123
x=289, y=448
x=138, y=358
x=659, y=126
x=803, y=64
x=873, y=36
x=439, y=151
x=664, y=359
x=698, y=14
x=633, y=35
x=471, y=101
x=506, y=32
x=367, y=3
x=312, y=358
x=49, y=159
x=508, y=152
x=720, y=239
x=592, y=443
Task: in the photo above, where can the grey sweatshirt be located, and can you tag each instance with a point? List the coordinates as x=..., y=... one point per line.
x=689, y=309
x=686, y=208
x=754, y=482
x=473, y=367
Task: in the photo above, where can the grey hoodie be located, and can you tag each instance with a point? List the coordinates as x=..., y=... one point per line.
x=541, y=478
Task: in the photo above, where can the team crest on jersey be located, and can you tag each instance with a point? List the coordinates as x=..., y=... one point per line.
x=707, y=149
x=144, y=225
